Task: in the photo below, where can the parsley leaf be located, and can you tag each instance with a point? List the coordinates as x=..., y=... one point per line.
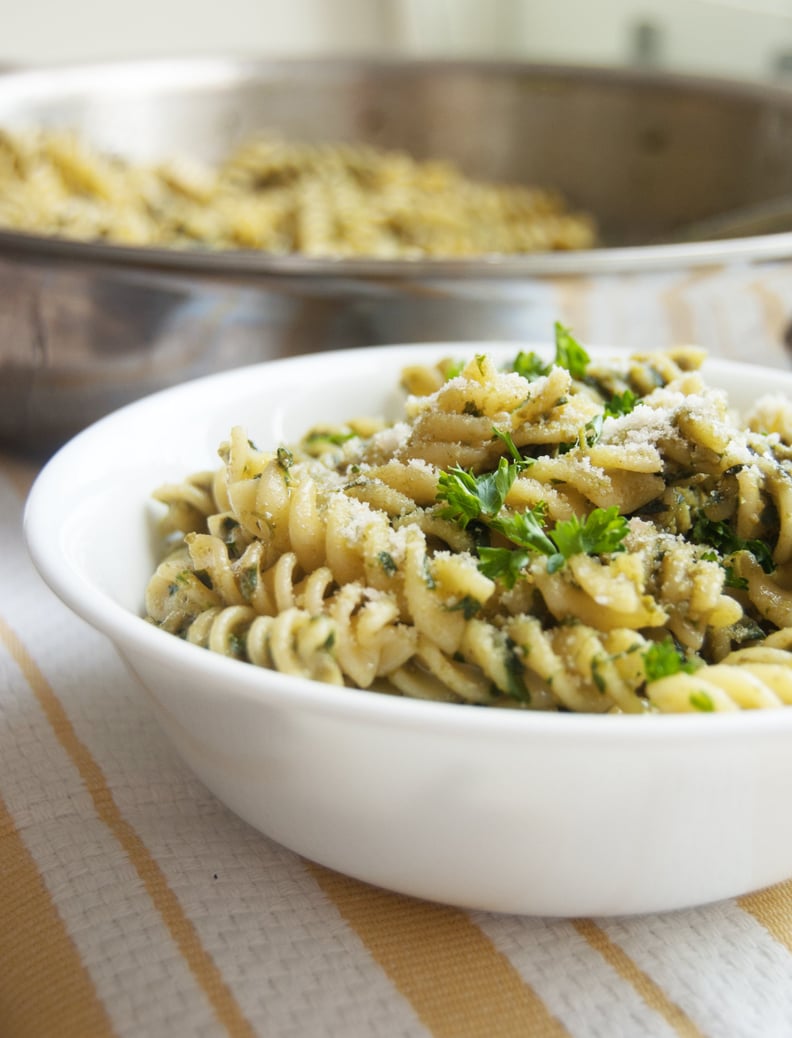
x=569, y=353
x=460, y=489
x=588, y=435
x=452, y=369
x=525, y=529
x=621, y=404
x=602, y=531
x=505, y=564
x=663, y=659
x=470, y=496
x=530, y=366
x=505, y=436
x=478, y=500
x=593, y=430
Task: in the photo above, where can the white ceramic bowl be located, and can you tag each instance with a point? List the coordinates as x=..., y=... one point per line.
x=554, y=814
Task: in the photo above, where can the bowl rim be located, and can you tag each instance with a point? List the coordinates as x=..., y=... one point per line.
x=255, y=266
x=132, y=634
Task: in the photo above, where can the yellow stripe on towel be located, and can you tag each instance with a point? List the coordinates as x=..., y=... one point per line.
x=44, y=987
x=652, y=994
x=200, y=962
x=773, y=909
x=458, y=983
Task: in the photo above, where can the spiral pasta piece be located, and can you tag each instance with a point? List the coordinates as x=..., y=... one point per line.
x=295, y=642
x=190, y=503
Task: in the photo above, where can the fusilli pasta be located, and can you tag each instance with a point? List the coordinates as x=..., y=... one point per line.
x=267, y=194
x=570, y=536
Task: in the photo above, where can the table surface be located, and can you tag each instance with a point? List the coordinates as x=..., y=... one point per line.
x=133, y=903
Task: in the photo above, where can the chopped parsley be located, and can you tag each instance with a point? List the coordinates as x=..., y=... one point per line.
x=593, y=430
x=601, y=532
x=237, y=646
x=335, y=439
x=663, y=659
x=505, y=436
x=248, y=582
x=702, y=700
x=569, y=354
x=479, y=499
x=504, y=564
x=621, y=404
x=329, y=641
x=588, y=435
x=472, y=497
x=731, y=579
x=232, y=535
x=530, y=366
x=515, y=680
x=452, y=369
x=386, y=561
x=596, y=675
x=467, y=605
x=526, y=529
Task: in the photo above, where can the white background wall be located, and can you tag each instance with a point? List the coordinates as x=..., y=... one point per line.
x=746, y=38
x=68, y=30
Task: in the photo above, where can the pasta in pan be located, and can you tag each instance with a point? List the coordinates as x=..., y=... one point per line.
x=570, y=536
x=339, y=200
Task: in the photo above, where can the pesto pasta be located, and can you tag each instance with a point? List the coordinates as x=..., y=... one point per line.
x=337, y=200
x=567, y=536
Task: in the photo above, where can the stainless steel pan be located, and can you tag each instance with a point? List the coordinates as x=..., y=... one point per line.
x=85, y=327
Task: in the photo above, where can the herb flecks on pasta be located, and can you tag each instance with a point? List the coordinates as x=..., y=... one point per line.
x=572, y=536
x=281, y=197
